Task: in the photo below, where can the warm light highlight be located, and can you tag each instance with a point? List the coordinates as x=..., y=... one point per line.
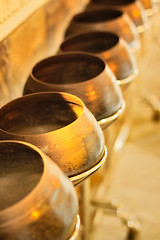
x=136, y=13
x=35, y=214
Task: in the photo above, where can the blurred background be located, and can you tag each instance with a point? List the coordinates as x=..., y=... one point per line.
x=31, y=30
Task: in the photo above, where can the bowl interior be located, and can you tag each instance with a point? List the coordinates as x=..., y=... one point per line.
x=38, y=113
x=94, y=42
x=20, y=171
x=68, y=69
x=112, y=3
x=94, y=16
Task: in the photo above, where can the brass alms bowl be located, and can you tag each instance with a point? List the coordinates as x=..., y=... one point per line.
x=114, y=50
x=134, y=8
x=37, y=201
x=110, y=20
x=84, y=75
x=61, y=126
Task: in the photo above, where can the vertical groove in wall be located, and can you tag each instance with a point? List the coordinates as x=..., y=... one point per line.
x=5, y=73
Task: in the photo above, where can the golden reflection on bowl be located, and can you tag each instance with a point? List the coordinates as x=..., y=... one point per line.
x=36, y=199
x=60, y=125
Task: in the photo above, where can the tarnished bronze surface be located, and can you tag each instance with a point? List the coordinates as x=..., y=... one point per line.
x=37, y=201
x=84, y=75
x=134, y=8
x=111, y=20
x=60, y=125
x=111, y=48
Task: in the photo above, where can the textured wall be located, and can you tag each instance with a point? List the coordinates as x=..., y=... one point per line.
x=38, y=37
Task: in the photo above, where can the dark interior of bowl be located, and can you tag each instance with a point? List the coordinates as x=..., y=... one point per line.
x=38, y=113
x=113, y=3
x=93, y=42
x=95, y=16
x=68, y=68
x=21, y=168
